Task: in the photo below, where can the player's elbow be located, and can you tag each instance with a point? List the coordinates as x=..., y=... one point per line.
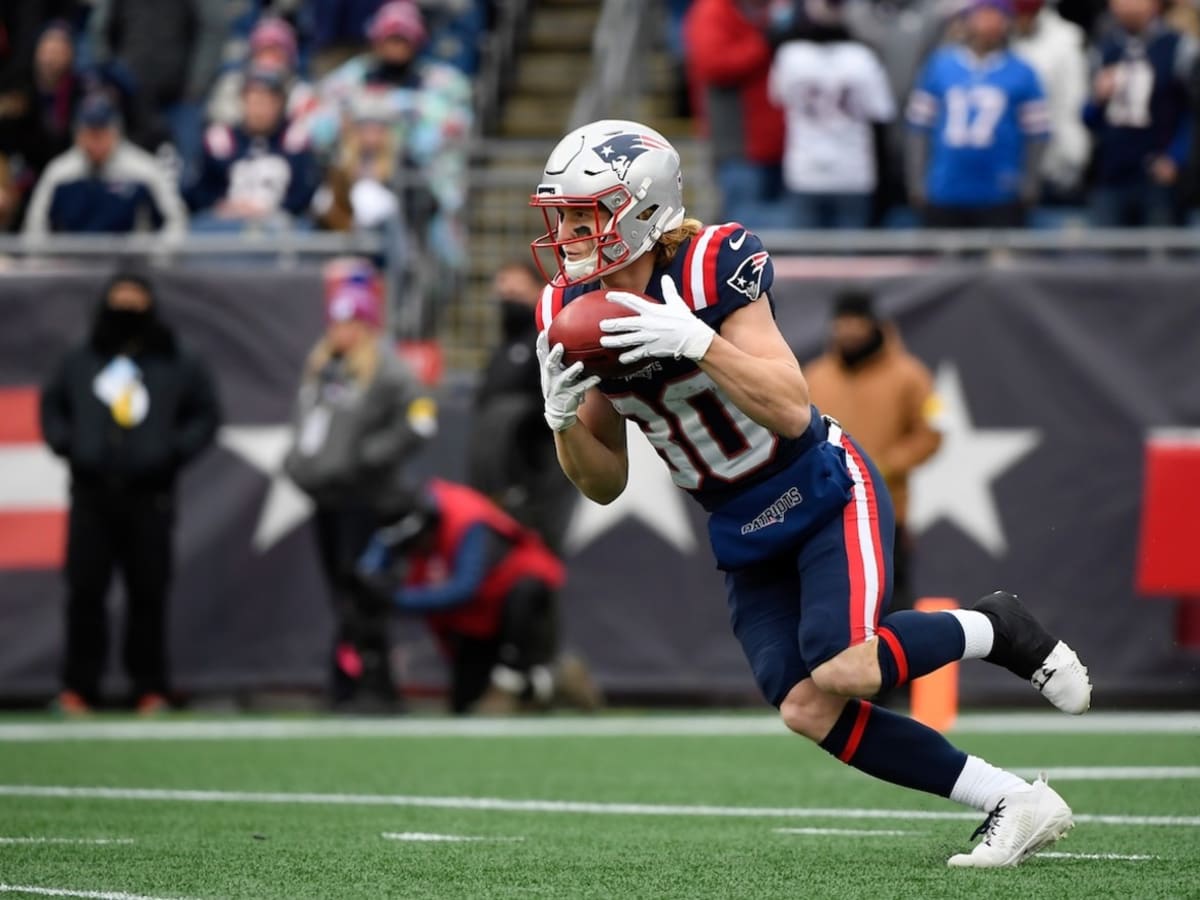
x=602, y=494
x=794, y=420
x=600, y=490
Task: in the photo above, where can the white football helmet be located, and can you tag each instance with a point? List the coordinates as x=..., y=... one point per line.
x=625, y=168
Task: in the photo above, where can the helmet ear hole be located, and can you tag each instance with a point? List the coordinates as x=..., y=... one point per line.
x=647, y=213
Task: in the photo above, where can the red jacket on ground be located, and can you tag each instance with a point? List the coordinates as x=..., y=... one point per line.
x=462, y=508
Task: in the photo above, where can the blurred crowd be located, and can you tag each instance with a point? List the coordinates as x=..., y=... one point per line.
x=947, y=113
x=226, y=115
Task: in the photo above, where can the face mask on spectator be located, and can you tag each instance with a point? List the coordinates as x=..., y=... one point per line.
x=857, y=353
x=515, y=316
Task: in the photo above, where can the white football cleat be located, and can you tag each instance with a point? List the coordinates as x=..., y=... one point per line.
x=1020, y=825
x=1021, y=645
x=1063, y=680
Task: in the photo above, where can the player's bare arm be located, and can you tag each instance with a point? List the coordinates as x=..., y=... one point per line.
x=592, y=452
x=753, y=364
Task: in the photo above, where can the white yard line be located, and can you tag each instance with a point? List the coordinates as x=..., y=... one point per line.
x=1122, y=856
x=597, y=726
x=1114, y=773
x=846, y=832
x=62, y=840
x=1051, y=722
x=425, y=837
x=499, y=804
x=68, y=892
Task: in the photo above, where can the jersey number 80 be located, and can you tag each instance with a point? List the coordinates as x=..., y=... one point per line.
x=698, y=432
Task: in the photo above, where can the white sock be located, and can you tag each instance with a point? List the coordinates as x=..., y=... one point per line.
x=978, y=631
x=981, y=785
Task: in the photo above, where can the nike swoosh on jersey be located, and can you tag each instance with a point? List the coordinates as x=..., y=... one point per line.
x=737, y=244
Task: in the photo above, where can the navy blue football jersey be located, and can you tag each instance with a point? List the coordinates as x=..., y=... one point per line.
x=713, y=449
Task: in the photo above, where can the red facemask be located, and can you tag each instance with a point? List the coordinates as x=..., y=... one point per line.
x=550, y=251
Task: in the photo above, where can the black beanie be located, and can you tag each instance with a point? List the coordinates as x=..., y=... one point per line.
x=854, y=302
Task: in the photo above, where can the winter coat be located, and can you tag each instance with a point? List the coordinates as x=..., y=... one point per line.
x=129, y=415
x=728, y=62
x=359, y=419
x=887, y=404
x=1057, y=51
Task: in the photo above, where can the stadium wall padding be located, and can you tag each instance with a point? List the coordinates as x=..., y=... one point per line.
x=1056, y=373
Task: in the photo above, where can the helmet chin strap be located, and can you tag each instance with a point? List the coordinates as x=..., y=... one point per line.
x=580, y=268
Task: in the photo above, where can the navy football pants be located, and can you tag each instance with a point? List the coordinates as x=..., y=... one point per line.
x=796, y=611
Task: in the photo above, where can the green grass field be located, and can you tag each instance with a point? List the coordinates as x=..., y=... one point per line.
x=616, y=813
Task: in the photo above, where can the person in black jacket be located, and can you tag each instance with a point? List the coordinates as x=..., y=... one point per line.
x=511, y=456
x=126, y=409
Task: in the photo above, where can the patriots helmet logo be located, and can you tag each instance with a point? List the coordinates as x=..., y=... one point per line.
x=620, y=150
x=748, y=277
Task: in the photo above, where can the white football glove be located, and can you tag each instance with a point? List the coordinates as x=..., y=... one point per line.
x=659, y=329
x=563, y=389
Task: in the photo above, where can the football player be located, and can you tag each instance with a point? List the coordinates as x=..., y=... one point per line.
x=800, y=520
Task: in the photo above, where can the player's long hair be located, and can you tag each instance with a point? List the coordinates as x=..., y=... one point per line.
x=668, y=245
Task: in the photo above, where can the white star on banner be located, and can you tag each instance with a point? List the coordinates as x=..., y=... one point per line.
x=286, y=506
x=650, y=496
x=956, y=484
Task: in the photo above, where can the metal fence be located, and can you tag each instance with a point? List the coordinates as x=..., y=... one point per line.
x=501, y=225
x=280, y=247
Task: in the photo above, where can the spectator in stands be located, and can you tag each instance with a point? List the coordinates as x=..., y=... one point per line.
x=456, y=29
x=1057, y=50
x=359, y=189
x=170, y=52
x=903, y=33
x=338, y=30
x=1182, y=16
x=37, y=109
x=127, y=410
x=272, y=47
x=834, y=92
x=360, y=418
x=1140, y=112
x=728, y=62
x=22, y=24
x=884, y=395
x=977, y=128
x=487, y=588
x=104, y=183
x=259, y=172
x=430, y=115
x=510, y=454
x=1087, y=14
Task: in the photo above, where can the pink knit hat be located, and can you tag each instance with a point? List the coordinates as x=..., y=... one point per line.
x=398, y=18
x=354, y=302
x=271, y=31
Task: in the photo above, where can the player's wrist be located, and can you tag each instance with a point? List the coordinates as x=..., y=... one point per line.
x=698, y=343
x=559, y=422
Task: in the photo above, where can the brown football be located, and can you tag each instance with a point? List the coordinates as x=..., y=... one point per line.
x=577, y=328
